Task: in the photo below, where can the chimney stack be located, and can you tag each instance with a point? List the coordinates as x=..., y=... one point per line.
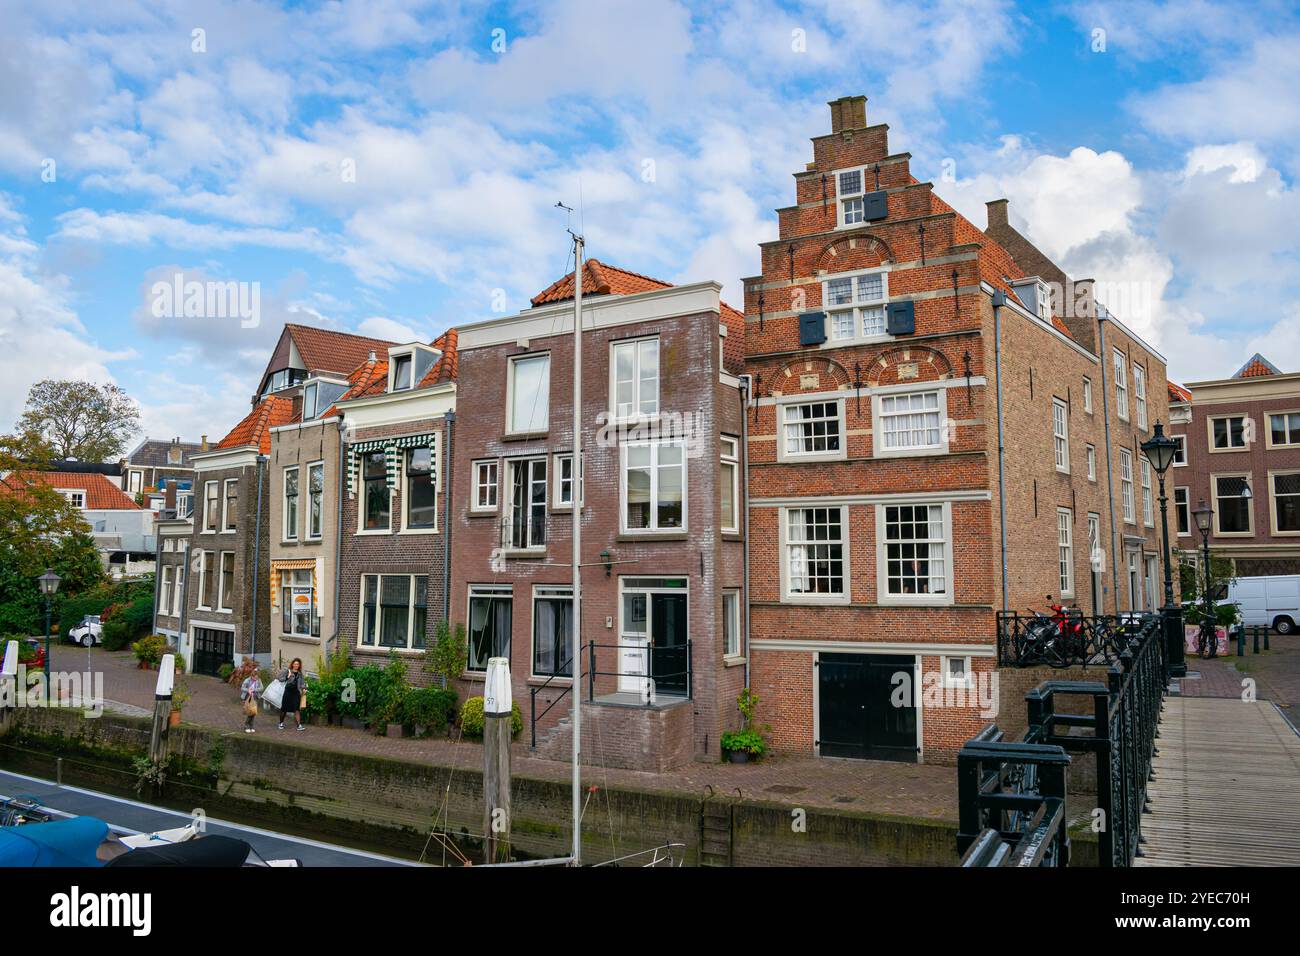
x=372, y=357
x=203, y=442
x=848, y=112
x=997, y=213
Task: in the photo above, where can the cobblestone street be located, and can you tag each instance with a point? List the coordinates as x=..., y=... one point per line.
x=1276, y=674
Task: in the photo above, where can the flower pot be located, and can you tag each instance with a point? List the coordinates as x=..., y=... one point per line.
x=174, y=718
x=392, y=730
x=738, y=756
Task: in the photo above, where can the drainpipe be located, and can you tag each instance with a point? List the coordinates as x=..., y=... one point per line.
x=450, y=419
x=157, y=577
x=999, y=301
x=184, y=568
x=1102, y=315
x=340, y=490
x=257, y=555
x=744, y=511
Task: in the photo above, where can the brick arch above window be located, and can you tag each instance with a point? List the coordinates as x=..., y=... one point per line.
x=859, y=250
x=899, y=366
x=810, y=375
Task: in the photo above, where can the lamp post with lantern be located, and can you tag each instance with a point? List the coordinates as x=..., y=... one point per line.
x=49, y=582
x=1160, y=450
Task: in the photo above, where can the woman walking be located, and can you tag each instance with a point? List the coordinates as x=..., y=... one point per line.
x=294, y=689
x=249, y=691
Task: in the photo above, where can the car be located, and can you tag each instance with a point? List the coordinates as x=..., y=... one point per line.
x=88, y=633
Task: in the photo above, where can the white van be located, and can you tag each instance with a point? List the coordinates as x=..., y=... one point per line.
x=1273, y=601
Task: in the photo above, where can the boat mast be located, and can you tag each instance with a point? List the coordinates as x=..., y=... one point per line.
x=576, y=511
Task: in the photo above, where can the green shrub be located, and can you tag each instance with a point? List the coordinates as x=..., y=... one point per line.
x=429, y=707
x=471, y=718
x=224, y=671
x=149, y=650
x=116, y=636
x=138, y=615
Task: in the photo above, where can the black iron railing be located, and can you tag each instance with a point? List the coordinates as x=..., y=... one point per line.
x=667, y=670
x=532, y=695
x=1009, y=788
x=1068, y=639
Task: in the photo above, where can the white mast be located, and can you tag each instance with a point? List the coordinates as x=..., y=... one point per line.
x=576, y=687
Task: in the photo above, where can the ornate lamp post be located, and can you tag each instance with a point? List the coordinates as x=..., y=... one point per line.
x=1204, y=515
x=49, y=582
x=1160, y=450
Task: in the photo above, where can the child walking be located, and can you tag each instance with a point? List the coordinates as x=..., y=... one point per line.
x=249, y=691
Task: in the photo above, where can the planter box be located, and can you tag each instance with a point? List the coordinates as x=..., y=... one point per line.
x=354, y=723
x=392, y=730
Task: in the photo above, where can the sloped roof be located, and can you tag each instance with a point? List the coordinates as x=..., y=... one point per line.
x=325, y=350
x=101, y=494
x=1257, y=366
x=598, y=278
x=255, y=428
x=371, y=377
x=1177, y=393
x=447, y=366
x=152, y=452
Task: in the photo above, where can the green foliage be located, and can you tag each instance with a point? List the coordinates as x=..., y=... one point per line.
x=149, y=650
x=447, y=655
x=224, y=672
x=430, y=707
x=751, y=738
x=116, y=635
x=181, y=693
x=472, y=719
x=131, y=601
x=79, y=419
x=26, y=652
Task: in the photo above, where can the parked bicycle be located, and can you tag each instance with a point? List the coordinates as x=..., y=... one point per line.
x=1057, y=639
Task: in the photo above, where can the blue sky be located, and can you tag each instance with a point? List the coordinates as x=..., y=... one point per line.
x=392, y=167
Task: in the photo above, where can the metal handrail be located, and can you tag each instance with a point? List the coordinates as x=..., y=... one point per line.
x=593, y=672
x=532, y=695
x=1070, y=639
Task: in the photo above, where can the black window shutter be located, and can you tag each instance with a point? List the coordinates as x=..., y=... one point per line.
x=900, y=318
x=875, y=205
x=812, y=328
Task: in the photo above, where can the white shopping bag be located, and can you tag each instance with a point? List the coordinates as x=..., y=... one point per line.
x=274, y=693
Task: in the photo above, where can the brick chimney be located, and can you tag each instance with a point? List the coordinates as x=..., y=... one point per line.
x=848, y=112
x=203, y=443
x=997, y=213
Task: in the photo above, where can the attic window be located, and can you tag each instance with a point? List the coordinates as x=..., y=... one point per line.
x=401, y=372
x=309, y=402
x=1044, y=302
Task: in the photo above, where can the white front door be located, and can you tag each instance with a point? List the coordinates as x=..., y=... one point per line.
x=1134, y=582
x=633, y=664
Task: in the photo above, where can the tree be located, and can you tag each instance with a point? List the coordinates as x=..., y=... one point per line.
x=81, y=419
x=39, y=529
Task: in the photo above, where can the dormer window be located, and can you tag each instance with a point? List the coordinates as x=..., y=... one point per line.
x=408, y=364
x=309, y=401
x=401, y=372
x=1044, y=302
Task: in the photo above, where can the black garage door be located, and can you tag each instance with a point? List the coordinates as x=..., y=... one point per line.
x=212, y=648
x=857, y=716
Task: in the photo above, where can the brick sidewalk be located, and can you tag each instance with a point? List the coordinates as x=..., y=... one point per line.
x=1276, y=674
x=896, y=789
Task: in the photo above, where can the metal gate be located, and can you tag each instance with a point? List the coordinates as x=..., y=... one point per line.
x=212, y=648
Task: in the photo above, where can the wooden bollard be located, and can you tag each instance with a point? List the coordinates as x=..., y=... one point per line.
x=162, y=708
x=497, y=712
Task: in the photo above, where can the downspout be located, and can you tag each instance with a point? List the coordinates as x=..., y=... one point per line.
x=1110, y=470
x=450, y=419
x=185, y=597
x=744, y=527
x=157, y=578
x=257, y=556
x=999, y=301
x=340, y=489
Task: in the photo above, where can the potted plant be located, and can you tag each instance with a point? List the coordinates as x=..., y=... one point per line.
x=751, y=739
x=180, y=694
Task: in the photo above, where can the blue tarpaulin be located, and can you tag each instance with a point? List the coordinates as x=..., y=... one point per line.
x=57, y=843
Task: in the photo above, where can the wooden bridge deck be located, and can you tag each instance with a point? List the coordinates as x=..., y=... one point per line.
x=1226, y=789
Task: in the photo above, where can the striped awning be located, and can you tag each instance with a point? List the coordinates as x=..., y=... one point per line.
x=392, y=449
x=294, y=564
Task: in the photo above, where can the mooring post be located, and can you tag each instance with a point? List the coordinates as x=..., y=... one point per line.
x=162, y=708
x=497, y=727
x=9, y=685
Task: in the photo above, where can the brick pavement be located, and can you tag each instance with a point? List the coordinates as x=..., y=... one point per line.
x=1276, y=674
x=895, y=789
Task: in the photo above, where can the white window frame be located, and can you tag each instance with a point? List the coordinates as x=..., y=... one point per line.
x=404, y=485
x=489, y=591
x=319, y=532
x=1148, y=496
x=842, y=198
x=844, y=595
x=1126, y=485
x=183, y=499
x=1187, y=504
x=655, y=447
x=880, y=417
x=729, y=457
x=1231, y=448
x=410, y=647
x=1275, y=528
x=783, y=410
x=361, y=494
x=478, y=468
x=1092, y=462
x=178, y=590
x=204, y=570
x=77, y=499
x=855, y=308
x=396, y=358
x=165, y=590
x=558, y=499
x=1061, y=434
x=313, y=616
x=225, y=505
x=545, y=592
x=635, y=346
x=310, y=393
x=221, y=580
x=545, y=402
x=1218, y=510
x=1087, y=395
x=1288, y=431
x=731, y=625
x=531, y=479
x=1181, y=453
x=1140, y=394
x=289, y=530
x=1120, y=362
x=211, y=494
x=883, y=597
x=1065, y=551
x=968, y=676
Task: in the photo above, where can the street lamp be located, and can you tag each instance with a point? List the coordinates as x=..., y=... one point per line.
x=1160, y=450
x=49, y=582
x=1204, y=515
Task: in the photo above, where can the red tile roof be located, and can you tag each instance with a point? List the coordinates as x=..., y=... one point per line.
x=101, y=494
x=255, y=429
x=599, y=279
x=1256, y=367
x=1177, y=393
x=371, y=377
x=324, y=350
x=447, y=367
